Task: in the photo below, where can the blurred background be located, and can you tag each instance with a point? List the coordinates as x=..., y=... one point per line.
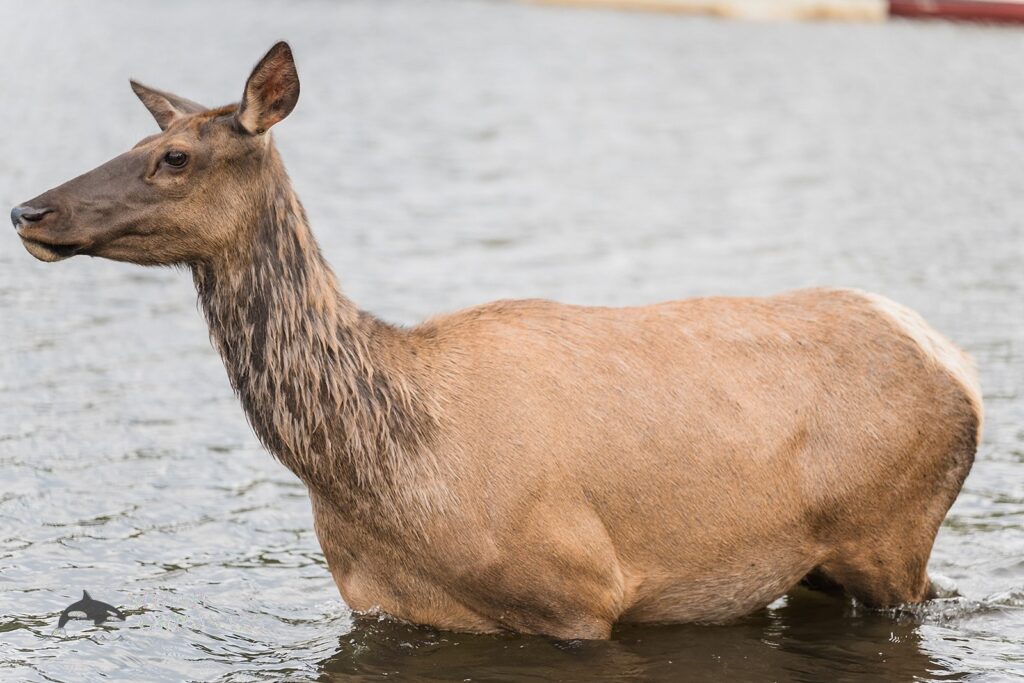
x=450, y=153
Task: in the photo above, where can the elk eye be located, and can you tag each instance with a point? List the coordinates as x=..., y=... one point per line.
x=175, y=158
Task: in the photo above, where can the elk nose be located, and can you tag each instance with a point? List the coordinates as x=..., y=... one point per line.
x=27, y=214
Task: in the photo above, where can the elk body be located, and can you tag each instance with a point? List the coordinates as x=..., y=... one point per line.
x=533, y=466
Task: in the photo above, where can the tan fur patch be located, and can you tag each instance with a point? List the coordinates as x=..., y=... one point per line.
x=943, y=352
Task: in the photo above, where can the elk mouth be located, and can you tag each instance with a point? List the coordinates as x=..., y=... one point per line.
x=50, y=251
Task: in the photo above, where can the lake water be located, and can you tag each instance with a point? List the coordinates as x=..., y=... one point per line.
x=451, y=153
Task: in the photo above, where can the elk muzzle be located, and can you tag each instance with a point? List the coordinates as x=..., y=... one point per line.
x=34, y=225
x=27, y=214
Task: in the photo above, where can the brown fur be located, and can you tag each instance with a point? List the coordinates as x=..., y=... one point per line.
x=533, y=466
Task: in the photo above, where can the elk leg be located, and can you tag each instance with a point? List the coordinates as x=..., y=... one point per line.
x=882, y=576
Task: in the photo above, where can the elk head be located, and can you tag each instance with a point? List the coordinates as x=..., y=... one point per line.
x=181, y=196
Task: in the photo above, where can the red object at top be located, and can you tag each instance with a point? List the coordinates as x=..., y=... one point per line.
x=963, y=10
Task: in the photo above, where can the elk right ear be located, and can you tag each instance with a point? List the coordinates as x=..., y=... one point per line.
x=164, y=106
x=271, y=91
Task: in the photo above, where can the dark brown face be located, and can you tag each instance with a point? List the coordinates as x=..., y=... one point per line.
x=180, y=196
x=165, y=201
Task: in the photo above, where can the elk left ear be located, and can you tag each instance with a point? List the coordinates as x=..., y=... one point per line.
x=271, y=91
x=164, y=106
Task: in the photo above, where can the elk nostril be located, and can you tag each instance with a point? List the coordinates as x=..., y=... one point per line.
x=27, y=214
x=34, y=215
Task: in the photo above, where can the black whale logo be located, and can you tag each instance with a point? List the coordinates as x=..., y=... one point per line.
x=87, y=608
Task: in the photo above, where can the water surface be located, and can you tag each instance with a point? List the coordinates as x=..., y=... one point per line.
x=451, y=153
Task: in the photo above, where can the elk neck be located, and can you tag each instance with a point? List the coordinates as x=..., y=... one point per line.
x=326, y=387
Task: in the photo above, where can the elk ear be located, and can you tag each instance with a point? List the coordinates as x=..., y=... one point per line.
x=271, y=91
x=164, y=106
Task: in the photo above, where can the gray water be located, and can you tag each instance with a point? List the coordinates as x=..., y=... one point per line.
x=450, y=153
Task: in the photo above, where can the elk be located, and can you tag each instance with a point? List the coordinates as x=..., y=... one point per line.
x=532, y=466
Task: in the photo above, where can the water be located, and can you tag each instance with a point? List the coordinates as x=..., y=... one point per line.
x=452, y=153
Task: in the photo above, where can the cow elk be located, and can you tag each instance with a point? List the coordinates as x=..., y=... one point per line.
x=532, y=466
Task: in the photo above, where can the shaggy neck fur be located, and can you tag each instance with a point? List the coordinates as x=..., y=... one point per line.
x=320, y=381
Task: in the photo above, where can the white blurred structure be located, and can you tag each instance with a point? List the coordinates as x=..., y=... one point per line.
x=766, y=10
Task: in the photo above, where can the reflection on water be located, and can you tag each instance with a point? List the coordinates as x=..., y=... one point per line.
x=799, y=639
x=460, y=151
